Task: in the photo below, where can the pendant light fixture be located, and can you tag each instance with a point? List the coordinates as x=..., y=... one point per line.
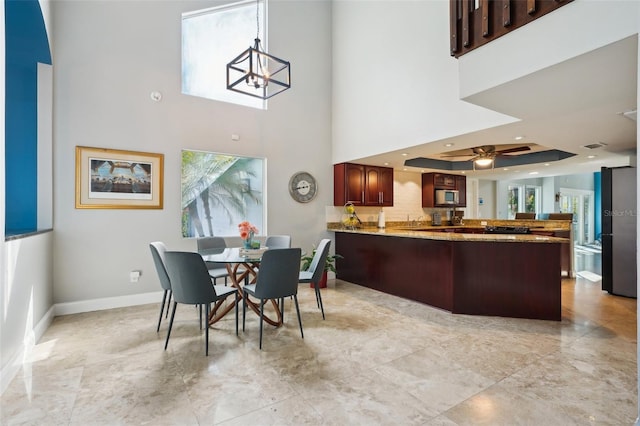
x=256, y=73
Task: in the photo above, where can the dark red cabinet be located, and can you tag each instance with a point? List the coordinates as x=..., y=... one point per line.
x=362, y=185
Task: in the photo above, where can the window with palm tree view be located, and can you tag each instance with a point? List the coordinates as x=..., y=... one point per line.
x=219, y=191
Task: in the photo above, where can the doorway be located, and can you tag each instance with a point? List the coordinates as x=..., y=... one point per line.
x=580, y=203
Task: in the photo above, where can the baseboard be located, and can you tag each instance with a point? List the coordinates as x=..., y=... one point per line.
x=11, y=368
x=107, y=303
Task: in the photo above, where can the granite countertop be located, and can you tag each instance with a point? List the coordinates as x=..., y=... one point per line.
x=425, y=233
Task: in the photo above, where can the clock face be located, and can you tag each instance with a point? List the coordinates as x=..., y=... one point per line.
x=303, y=187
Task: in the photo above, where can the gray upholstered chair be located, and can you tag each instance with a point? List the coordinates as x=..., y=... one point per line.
x=191, y=284
x=157, y=252
x=277, y=279
x=316, y=269
x=213, y=244
x=278, y=241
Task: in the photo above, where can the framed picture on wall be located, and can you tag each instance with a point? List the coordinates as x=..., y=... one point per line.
x=118, y=179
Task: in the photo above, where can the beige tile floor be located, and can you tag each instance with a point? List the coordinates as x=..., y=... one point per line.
x=376, y=360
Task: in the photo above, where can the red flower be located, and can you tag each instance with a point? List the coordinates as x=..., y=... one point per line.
x=247, y=230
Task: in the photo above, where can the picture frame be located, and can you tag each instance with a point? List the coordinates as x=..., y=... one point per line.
x=118, y=179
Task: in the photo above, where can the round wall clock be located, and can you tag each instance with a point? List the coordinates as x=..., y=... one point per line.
x=303, y=187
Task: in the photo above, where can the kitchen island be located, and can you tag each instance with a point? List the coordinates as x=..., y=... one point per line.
x=467, y=273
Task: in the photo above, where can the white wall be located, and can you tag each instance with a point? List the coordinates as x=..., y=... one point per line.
x=566, y=33
x=487, y=190
x=394, y=83
x=109, y=57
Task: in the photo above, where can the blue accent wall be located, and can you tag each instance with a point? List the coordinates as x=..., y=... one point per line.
x=26, y=45
x=597, y=208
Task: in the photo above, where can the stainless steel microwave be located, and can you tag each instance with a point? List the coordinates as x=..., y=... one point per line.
x=447, y=196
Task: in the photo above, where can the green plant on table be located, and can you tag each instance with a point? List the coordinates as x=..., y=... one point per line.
x=330, y=264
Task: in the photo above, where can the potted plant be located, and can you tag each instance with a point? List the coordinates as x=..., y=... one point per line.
x=330, y=265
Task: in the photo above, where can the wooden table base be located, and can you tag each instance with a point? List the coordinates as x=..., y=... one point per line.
x=248, y=274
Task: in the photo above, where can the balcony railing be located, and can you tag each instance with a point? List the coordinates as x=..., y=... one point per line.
x=477, y=22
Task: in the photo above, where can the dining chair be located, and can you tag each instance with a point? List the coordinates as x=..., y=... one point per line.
x=278, y=241
x=277, y=279
x=522, y=215
x=191, y=284
x=560, y=216
x=216, y=269
x=316, y=269
x=158, y=250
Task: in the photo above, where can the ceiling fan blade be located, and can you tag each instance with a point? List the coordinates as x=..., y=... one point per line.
x=457, y=155
x=516, y=149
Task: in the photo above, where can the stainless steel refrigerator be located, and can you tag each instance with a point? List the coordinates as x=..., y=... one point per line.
x=619, y=213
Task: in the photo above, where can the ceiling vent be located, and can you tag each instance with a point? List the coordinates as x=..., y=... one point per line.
x=595, y=145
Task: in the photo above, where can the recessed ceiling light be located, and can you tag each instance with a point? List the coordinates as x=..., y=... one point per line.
x=422, y=171
x=448, y=144
x=519, y=138
x=386, y=164
x=591, y=156
x=505, y=169
x=547, y=164
x=404, y=154
x=533, y=173
x=404, y=170
x=463, y=172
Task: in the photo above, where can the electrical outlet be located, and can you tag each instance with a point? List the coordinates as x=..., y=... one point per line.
x=134, y=276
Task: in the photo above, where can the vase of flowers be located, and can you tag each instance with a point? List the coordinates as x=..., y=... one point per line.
x=247, y=232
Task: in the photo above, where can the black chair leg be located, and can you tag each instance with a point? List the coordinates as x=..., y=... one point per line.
x=295, y=299
x=173, y=314
x=236, y=294
x=315, y=287
x=164, y=298
x=169, y=303
x=261, y=317
x=244, y=309
x=319, y=298
x=282, y=308
x=200, y=307
x=206, y=332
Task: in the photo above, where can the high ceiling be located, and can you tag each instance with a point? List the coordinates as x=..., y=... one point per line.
x=583, y=101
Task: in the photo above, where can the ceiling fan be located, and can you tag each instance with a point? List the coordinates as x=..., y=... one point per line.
x=485, y=154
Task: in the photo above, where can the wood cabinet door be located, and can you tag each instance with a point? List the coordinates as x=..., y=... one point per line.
x=378, y=186
x=355, y=184
x=372, y=186
x=461, y=187
x=386, y=186
x=443, y=181
x=428, y=190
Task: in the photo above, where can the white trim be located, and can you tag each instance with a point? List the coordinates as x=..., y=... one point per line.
x=12, y=367
x=107, y=303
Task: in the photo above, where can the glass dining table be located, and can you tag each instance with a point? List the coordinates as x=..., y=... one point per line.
x=242, y=266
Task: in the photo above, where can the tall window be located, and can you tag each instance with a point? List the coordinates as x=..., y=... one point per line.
x=211, y=38
x=523, y=198
x=513, y=201
x=219, y=191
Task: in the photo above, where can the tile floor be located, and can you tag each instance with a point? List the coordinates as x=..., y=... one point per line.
x=376, y=360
